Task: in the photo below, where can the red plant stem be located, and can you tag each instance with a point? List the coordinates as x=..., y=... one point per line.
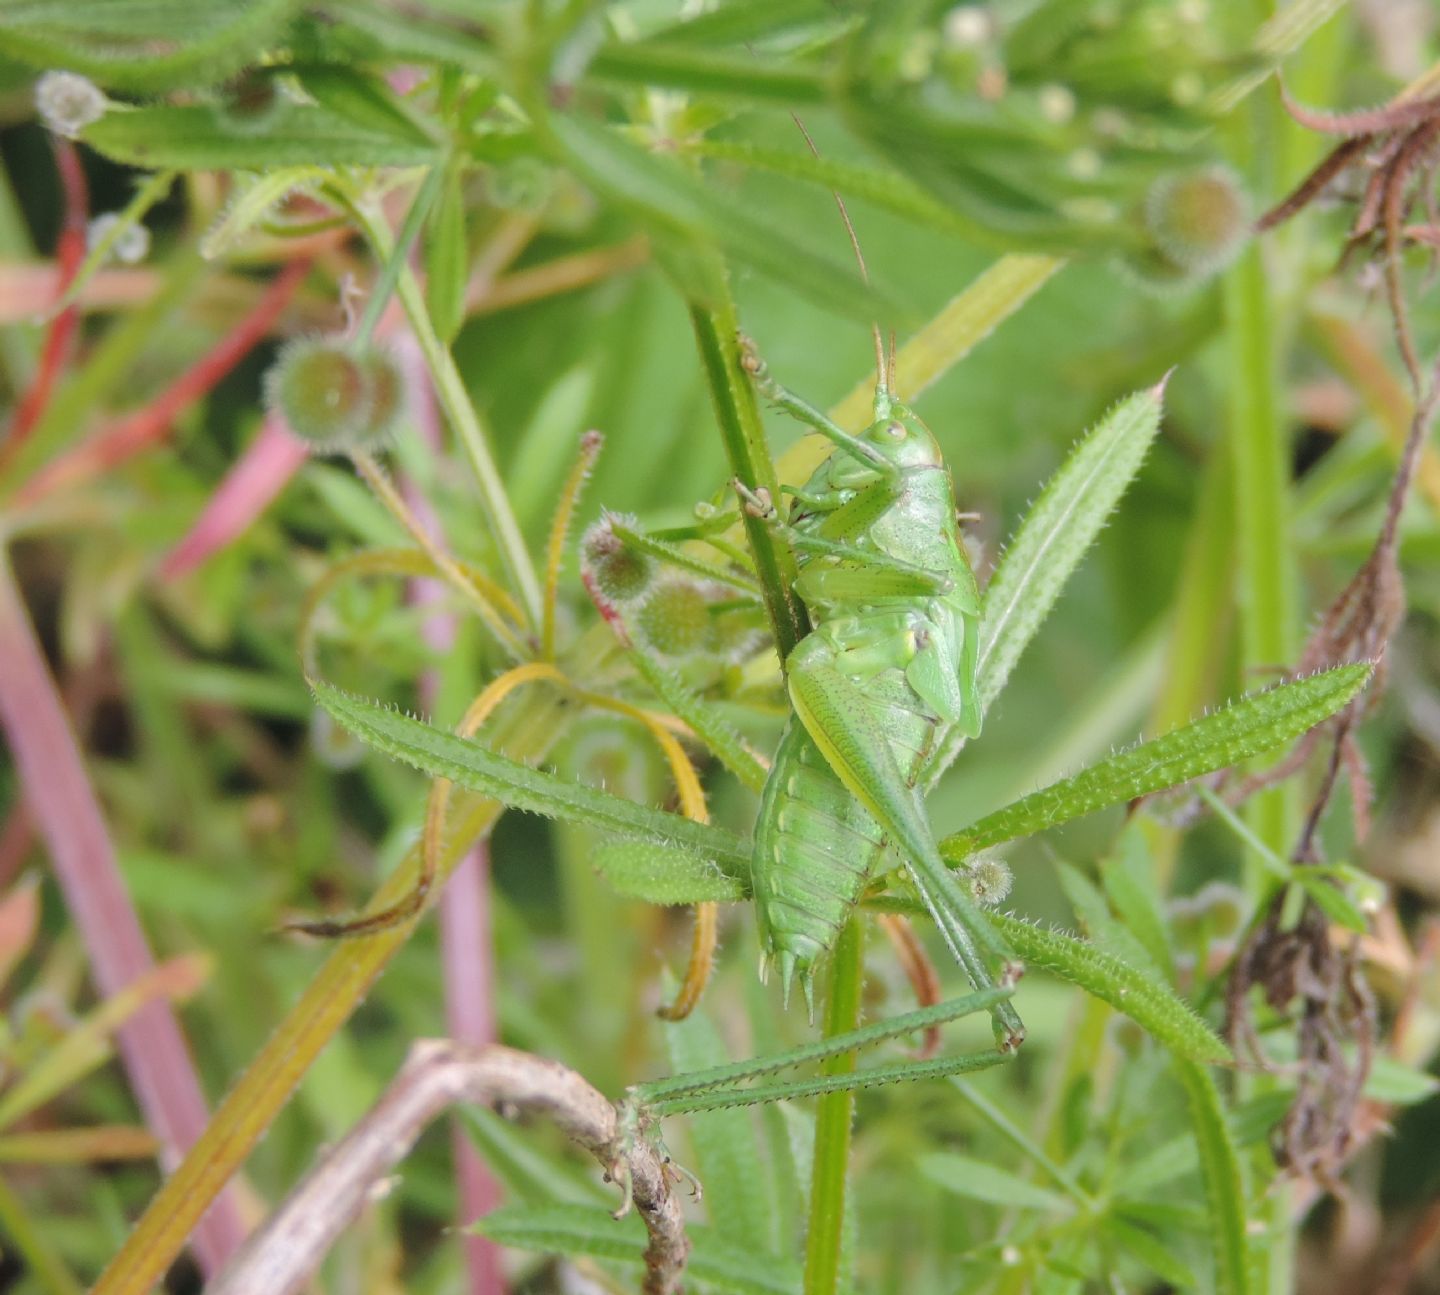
x=129, y=436
x=261, y=473
x=58, y=793
x=466, y=939
x=17, y=835
x=60, y=337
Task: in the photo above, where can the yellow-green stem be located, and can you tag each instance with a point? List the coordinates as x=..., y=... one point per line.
x=833, y=1116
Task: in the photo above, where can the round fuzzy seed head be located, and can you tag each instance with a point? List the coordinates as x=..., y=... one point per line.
x=675, y=619
x=323, y=392
x=619, y=573
x=68, y=102
x=1198, y=219
x=387, y=397
x=989, y=879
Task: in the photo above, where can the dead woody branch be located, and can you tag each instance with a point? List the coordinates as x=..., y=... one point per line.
x=283, y=1254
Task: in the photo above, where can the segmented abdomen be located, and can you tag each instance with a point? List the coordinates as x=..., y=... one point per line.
x=816, y=846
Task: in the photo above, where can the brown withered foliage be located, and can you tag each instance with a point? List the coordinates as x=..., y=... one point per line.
x=1296, y=963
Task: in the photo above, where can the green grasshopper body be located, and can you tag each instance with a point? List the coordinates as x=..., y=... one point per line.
x=887, y=671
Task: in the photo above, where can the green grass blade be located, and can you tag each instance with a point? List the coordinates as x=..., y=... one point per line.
x=1224, y=1184
x=471, y=765
x=1137, y=993
x=1058, y=530
x=1249, y=727
x=575, y=1230
x=684, y=66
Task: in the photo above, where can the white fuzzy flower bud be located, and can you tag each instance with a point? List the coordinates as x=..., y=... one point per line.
x=131, y=245
x=68, y=102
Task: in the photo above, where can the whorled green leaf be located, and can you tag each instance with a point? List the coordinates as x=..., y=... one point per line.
x=253, y=199
x=966, y=1176
x=1245, y=728
x=1138, y=994
x=1058, y=530
x=472, y=765
x=195, y=138
x=366, y=102
x=659, y=874
x=574, y=1230
x=1225, y=1190
x=673, y=201
x=143, y=45
x=744, y=20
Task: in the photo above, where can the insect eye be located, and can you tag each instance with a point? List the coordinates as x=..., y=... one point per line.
x=895, y=431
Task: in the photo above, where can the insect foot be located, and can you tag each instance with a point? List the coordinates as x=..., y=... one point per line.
x=757, y=502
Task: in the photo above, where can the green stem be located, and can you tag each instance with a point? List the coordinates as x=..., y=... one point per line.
x=738, y=415
x=47, y=1268
x=390, y=271
x=833, y=1116
x=455, y=401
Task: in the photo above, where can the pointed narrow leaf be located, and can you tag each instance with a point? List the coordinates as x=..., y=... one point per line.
x=472, y=765
x=979, y=1181
x=1246, y=728
x=193, y=138
x=447, y=261
x=1137, y=993
x=1224, y=1183
x=1058, y=529
x=661, y=875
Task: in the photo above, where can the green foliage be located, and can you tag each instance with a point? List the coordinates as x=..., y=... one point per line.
x=629, y=189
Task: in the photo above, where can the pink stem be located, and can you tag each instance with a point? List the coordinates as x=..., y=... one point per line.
x=260, y=474
x=62, y=802
x=466, y=944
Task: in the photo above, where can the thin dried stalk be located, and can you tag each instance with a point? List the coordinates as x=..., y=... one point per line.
x=285, y=1251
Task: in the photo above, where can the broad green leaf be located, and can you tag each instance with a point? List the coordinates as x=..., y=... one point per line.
x=194, y=138
x=1138, y=994
x=472, y=765
x=1249, y=727
x=744, y=20
x=1058, y=530
x=686, y=66
x=661, y=875
x=727, y=1153
x=979, y=1181
x=675, y=202
x=574, y=1230
x=146, y=45
x=1393, y=1082
x=1152, y=1252
x=364, y=102
x=1225, y=1189
x=447, y=261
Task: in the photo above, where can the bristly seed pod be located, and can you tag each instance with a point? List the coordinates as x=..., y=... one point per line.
x=332, y=397
x=619, y=573
x=989, y=879
x=68, y=102
x=675, y=619
x=1197, y=219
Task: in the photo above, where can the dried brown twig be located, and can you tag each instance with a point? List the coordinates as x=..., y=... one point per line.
x=282, y=1255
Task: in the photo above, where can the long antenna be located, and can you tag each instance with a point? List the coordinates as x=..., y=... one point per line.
x=884, y=372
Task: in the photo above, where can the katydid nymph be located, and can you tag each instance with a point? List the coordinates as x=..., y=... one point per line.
x=886, y=672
